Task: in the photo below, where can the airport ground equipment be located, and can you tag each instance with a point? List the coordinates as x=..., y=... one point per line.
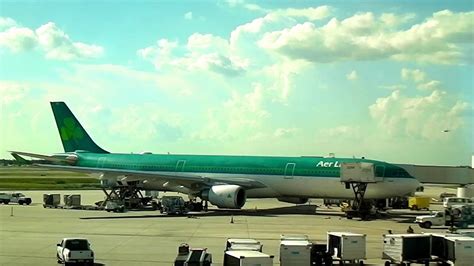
x=125, y=193
x=243, y=244
x=247, y=258
x=192, y=256
x=456, y=216
x=347, y=247
x=72, y=200
x=75, y=251
x=453, y=249
x=294, y=251
x=456, y=201
x=320, y=256
x=114, y=206
x=419, y=203
x=172, y=205
x=403, y=249
x=51, y=200
x=16, y=197
x=357, y=176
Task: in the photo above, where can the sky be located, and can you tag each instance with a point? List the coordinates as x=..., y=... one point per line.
x=387, y=80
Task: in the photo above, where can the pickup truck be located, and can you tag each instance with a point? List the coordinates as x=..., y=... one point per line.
x=75, y=250
x=16, y=197
x=459, y=216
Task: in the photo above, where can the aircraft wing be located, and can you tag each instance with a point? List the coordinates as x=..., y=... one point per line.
x=190, y=181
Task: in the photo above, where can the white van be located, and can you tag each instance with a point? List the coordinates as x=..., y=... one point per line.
x=453, y=201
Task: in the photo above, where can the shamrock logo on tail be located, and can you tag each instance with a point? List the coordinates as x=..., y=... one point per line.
x=70, y=130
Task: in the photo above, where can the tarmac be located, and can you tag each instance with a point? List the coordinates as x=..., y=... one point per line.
x=29, y=234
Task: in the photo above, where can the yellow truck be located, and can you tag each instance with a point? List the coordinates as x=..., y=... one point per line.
x=419, y=203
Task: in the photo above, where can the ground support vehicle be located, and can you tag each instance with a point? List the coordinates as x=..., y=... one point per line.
x=419, y=203
x=16, y=197
x=172, y=205
x=74, y=250
x=456, y=216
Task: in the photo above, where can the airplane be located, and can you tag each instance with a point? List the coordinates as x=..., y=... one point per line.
x=223, y=180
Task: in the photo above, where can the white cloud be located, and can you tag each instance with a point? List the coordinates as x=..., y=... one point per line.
x=414, y=75
x=240, y=117
x=342, y=132
x=438, y=40
x=58, y=45
x=18, y=39
x=310, y=13
x=202, y=52
x=54, y=42
x=159, y=54
x=352, y=76
x=430, y=85
x=6, y=23
x=12, y=91
x=285, y=132
x=188, y=15
x=419, y=116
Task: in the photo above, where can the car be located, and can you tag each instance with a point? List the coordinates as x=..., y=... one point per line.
x=16, y=197
x=73, y=251
x=456, y=201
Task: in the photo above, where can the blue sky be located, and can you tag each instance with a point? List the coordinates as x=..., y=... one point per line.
x=365, y=78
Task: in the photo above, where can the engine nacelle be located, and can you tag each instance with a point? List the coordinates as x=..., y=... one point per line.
x=225, y=196
x=294, y=200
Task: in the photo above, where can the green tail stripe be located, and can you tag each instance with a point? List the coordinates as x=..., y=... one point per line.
x=73, y=136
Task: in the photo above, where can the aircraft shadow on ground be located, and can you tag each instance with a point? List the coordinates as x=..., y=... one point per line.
x=271, y=212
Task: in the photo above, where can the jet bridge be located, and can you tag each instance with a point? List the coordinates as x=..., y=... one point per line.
x=357, y=176
x=458, y=176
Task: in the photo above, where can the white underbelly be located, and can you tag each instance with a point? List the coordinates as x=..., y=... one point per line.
x=330, y=187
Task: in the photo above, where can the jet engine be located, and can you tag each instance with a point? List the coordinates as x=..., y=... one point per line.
x=225, y=196
x=294, y=200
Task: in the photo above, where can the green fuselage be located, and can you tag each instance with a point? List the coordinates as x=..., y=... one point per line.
x=241, y=165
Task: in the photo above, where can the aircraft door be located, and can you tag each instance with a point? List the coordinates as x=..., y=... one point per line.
x=379, y=172
x=180, y=166
x=289, y=170
x=100, y=162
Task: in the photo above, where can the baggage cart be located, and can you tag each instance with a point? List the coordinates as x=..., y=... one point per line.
x=247, y=258
x=403, y=249
x=345, y=246
x=295, y=252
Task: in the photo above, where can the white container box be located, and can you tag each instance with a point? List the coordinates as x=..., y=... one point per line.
x=460, y=250
x=346, y=246
x=295, y=252
x=247, y=258
x=243, y=244
x=406, y=247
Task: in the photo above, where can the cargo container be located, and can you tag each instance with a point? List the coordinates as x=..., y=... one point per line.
x=406, y=248
x=51, y=200
x=345, y=246
x=295, y=252
x=455, y=249
x=294, y=237
x=247, y=258
x=243, y=244
x=72, y=200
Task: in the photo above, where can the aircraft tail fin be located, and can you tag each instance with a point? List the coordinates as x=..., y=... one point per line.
x=73, y=136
